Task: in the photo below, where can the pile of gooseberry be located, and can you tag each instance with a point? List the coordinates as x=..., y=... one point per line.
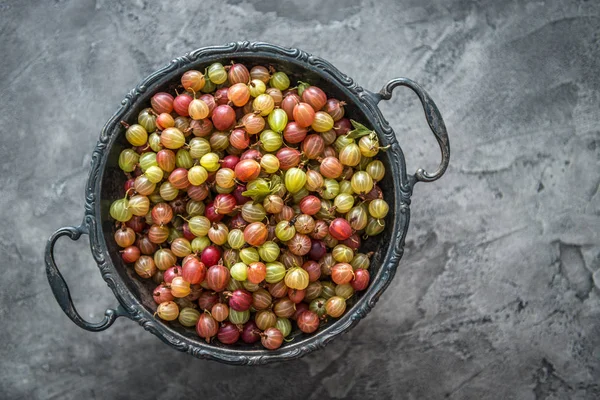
x=246, y=201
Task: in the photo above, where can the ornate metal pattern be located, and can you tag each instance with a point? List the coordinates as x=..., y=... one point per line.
x=132, y=307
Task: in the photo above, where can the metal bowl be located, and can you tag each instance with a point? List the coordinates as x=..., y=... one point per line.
x=105, y=184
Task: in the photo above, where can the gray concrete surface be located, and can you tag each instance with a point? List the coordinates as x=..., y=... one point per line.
x=495, y=297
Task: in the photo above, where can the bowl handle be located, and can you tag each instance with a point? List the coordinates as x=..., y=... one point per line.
x=434, y=119
x=61, y=290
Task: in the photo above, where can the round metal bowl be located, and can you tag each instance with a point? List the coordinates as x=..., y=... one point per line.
x=105, y=184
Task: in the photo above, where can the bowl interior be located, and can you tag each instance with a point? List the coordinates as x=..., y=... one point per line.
x=113, y=180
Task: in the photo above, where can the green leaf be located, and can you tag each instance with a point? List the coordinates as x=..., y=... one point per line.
x=256, y=192
x=355, y=134
x=359, y=130
x=261, y=188
x=359, y=126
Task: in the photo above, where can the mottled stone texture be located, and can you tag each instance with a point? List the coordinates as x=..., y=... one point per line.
x=495, y=297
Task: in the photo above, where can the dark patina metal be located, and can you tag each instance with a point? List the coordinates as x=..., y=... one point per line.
x=105, y=184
